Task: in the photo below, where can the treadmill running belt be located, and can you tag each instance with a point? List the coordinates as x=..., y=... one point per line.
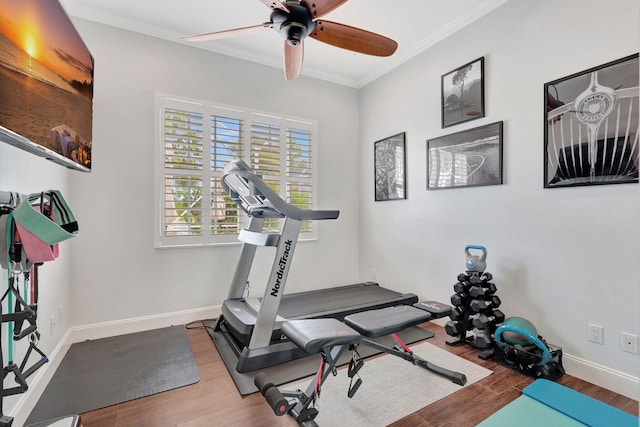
x=331, y=300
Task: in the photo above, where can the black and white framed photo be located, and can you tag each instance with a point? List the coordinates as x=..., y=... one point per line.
x=463, y=93
x=469, y=158
x=390, y=168
x=591, y=126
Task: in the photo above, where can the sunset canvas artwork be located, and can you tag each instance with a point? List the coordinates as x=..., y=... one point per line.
x=46, y=78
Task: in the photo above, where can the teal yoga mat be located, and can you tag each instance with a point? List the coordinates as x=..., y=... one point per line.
x=547, y=403
x=528, y=412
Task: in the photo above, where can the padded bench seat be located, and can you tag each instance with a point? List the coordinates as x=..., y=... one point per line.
x=385, y=321
x=312, y=335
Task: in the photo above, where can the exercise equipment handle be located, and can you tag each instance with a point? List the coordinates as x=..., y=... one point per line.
x=455, y=377
x=476, y=262
x=483, y=257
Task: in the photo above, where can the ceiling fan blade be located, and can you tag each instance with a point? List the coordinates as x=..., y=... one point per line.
x=275, y=4
x=228, y=33
x=320, y=8
x=353, y=39
x=293, y=58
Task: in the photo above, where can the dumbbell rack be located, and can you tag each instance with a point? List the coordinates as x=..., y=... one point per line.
x=475, y=315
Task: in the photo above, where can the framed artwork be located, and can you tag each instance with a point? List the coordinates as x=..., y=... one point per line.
x=463, y=93
x=46, y=82
x=591, y=126
x=469, y=158
x=390, y=168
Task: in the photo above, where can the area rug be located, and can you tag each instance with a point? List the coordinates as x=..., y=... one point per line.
x=99, y=373
x=391, y=389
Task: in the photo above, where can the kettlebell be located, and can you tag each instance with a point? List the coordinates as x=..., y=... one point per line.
x=476, y=263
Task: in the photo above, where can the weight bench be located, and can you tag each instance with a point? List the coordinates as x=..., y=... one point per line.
x=331, y=338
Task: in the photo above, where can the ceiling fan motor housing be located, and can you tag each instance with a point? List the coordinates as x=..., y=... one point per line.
x=294, y=25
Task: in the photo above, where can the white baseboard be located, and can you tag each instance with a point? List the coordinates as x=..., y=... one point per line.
x=603, y=376
x=139, y=324
x=38, y=382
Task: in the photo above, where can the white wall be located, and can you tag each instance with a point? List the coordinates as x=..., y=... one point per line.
x=560, y=257
x=119, y=274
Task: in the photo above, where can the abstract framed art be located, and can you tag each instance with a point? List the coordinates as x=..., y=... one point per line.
x=390, y=168
x=591, y=126
x=463, y=93
x=469, y=158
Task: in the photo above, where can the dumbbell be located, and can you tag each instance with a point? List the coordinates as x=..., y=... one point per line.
x=483, y=339
x=462, y=277
x=483, y=291
x=495, y=301
x=487, y=275
x=476, y=280
x=456, y=314
x=459, y=300
x=460, y=287
x=478, y=305
x=452, y=328
x=482, y=321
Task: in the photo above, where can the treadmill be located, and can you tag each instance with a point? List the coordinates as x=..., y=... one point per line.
x=247, y=333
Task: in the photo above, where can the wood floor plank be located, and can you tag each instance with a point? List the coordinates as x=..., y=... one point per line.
x=214, y=400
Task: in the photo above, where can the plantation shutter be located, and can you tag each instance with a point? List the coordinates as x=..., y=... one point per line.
x=265, y=160
x=300, y=171
x=197, y=141
x=226, y=145
x=183, y=164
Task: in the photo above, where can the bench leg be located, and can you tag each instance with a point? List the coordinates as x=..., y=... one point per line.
x=407, y=354
x=299, y=404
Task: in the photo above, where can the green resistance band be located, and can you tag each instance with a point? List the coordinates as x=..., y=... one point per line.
x=9, y=284
x=51, y=232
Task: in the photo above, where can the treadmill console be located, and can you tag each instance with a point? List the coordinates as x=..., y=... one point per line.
x=257, y=199
x=243, y=186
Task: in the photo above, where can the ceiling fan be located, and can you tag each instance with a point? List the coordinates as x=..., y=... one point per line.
x=297, y=19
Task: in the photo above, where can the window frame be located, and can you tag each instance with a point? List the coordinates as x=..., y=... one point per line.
x=248, y=117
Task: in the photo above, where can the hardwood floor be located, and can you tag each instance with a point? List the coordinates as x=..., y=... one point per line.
x=214, y=401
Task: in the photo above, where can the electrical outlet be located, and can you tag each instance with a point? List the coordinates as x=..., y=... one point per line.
x=629, y=343
x=373, y=274
x=52, y=323
x=595, y=333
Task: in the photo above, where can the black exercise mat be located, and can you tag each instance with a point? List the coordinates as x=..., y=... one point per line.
x=99, y=373
x=300, y=368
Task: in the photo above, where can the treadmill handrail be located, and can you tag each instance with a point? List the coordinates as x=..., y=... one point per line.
x=256, y=198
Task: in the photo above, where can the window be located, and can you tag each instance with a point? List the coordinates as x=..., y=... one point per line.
x=196, y=139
